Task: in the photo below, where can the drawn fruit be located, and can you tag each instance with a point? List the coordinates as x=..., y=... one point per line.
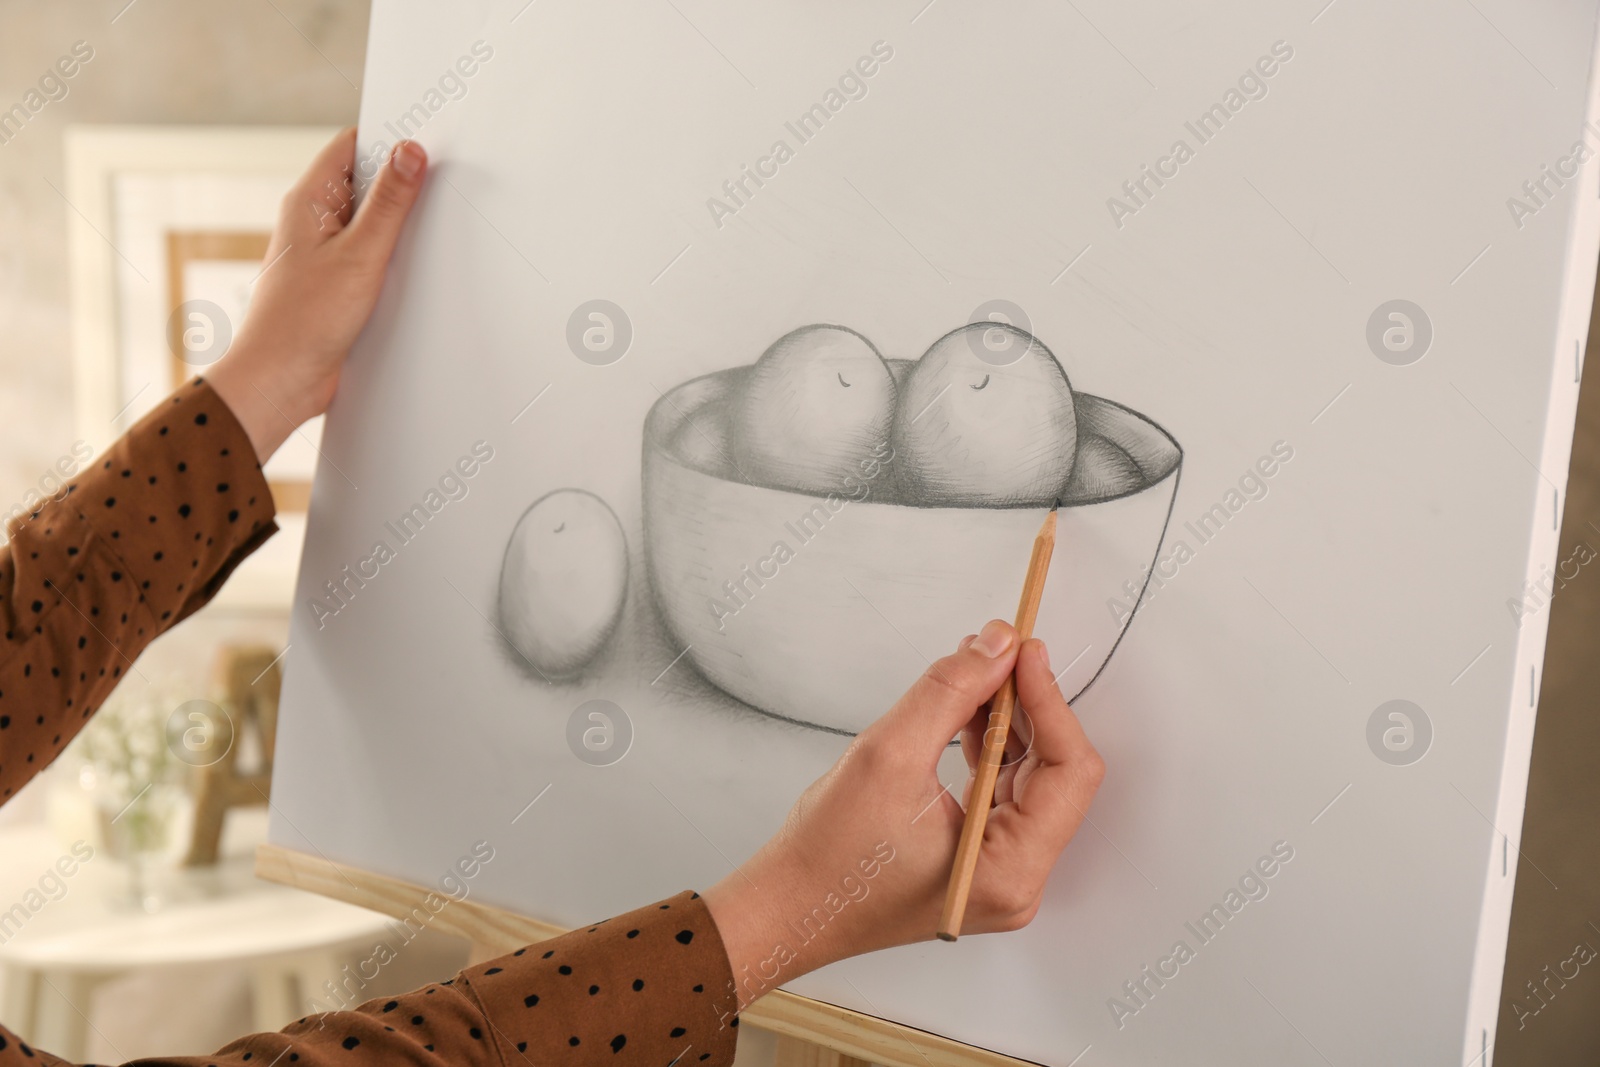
x=703, y=442
x=971, y=433
x=563, y=581
x=1101, y=471
x=811, y=409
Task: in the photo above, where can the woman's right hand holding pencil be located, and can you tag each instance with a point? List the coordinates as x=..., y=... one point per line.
x=863, y=861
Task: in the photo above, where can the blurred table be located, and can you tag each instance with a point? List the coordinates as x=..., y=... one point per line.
x=288, y=940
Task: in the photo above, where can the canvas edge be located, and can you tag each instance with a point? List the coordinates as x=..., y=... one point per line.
x=1582, y=256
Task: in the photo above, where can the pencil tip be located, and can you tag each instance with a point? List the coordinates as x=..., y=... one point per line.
x=946, y=937
x=1057, y=506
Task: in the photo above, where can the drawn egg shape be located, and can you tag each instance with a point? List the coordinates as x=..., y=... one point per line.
x=971, y=430
x=811, y=410
x=563, y=582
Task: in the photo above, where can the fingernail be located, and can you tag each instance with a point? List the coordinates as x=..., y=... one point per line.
x=965, y=641
x=994, y=640
x=1044, y=654
x=408, y=159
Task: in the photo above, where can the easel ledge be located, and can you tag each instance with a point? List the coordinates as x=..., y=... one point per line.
x=811, y=1033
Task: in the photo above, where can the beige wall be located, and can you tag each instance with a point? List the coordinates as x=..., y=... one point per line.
x=162, y=61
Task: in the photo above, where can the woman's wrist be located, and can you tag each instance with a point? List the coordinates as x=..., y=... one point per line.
x=794, y=909
x=761, y=912
x=267, y=420
x=743, y=912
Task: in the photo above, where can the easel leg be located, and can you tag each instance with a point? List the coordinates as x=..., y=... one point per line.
x=795, y=1052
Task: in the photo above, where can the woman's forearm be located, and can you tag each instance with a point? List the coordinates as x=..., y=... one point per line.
x=149, y=532
x=142, y=538
x=650, y=988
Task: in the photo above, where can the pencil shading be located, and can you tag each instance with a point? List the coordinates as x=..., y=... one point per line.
x=812, y=602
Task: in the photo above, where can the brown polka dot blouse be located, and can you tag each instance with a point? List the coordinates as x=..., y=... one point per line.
x=145, y=537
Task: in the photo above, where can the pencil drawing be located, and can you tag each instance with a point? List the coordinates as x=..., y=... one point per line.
x=563, y=582
x=985, y=419
x=813, y=515
x=816, y=402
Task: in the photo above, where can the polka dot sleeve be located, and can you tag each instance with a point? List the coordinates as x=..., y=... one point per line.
x=139, y=540
x=652, y=988
x=144, y=538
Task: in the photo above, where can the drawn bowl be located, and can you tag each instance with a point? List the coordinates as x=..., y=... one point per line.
x=821, y=610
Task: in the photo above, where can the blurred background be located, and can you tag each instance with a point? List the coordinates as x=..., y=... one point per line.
x=135, y=954
x=134, y=202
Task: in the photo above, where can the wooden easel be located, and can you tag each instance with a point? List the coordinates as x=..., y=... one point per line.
x=810, y=1033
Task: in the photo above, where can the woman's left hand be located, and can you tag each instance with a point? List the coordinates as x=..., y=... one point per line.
x=320, y=281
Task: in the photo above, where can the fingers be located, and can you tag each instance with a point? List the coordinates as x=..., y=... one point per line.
x=320, y=203
x=1011, y=759
x=1065, y=771
x=1018, y=742
x=1050, y=792
x=972, y=737
x=377, y=224
x=1058, y=737
x=949, y=692
x=1012, y=762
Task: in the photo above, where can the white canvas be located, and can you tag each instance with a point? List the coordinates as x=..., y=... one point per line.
x=1355, y=304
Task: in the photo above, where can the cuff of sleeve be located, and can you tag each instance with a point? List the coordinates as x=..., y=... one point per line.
x=653, y=987
x=181, y=500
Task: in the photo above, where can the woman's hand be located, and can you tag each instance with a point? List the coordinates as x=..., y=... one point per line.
x=863, y=861
x=323, y=272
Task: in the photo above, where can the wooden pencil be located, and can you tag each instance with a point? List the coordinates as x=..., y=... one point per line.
x=994, y=741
